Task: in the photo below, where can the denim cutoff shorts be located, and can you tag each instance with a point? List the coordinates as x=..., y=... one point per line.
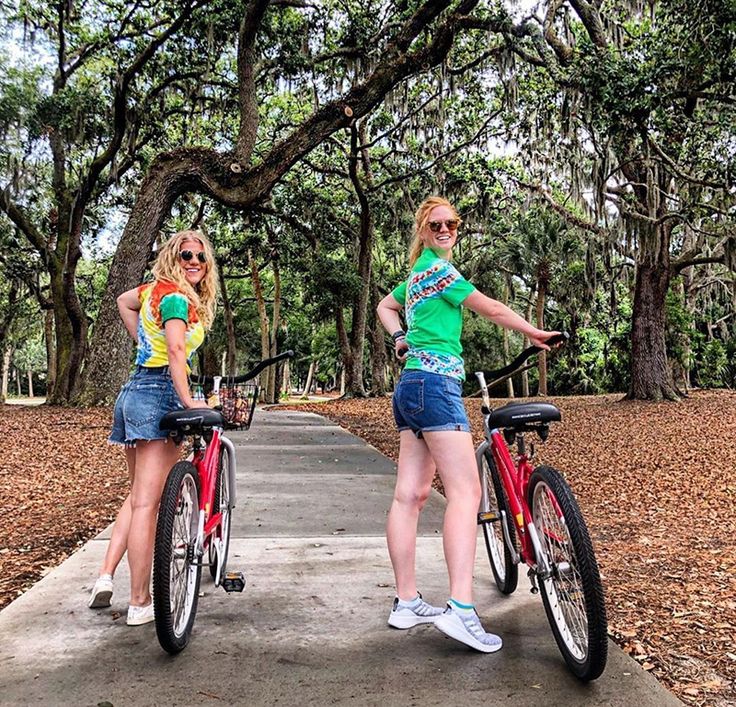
x=429, y=402
x=147, y=396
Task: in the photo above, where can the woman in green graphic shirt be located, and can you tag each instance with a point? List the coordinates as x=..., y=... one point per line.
x=432, y=422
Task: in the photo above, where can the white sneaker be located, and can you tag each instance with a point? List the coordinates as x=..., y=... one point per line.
x=466, y=628
x=101, y=592
x=418, y=613
x=139, y=615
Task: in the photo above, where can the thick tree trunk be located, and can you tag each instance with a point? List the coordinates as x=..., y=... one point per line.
x=70, y=327
x=48, y=328
x=111, y=345
x=30, y=384
x=651, y=378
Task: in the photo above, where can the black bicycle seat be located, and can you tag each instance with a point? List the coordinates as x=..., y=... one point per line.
x=515, y=415
x=192, y=421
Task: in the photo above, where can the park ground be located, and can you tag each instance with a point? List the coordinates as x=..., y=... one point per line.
x=656, y=482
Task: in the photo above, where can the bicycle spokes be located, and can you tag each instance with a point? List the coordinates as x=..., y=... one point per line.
x=183, y=572
x=564, y=588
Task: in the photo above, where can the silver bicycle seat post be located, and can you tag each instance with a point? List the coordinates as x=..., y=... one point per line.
x=483, y=389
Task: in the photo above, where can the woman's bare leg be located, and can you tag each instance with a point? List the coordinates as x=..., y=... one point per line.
x=153, y=462
x=454, y=456
x=119, y=538
x=413, y=485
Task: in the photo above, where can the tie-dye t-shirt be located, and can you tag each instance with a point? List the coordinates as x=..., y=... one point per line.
x=432, y=299
x=161, y=301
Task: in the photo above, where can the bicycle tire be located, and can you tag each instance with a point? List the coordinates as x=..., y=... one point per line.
x=222, y=490
x=176, y=571
x=505, y=570
x=573, y=594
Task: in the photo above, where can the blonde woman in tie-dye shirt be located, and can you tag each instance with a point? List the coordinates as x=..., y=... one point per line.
x=433, y=426
x=167, y=319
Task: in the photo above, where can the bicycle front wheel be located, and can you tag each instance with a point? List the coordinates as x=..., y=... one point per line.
x=493, y=505
x=218, y=557
x=572, y=594
x=176, y=569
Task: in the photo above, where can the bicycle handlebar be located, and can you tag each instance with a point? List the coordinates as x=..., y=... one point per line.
x=207, y=380
x=506, y=371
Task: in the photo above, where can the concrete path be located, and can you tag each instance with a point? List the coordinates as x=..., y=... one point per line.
x=310, y=627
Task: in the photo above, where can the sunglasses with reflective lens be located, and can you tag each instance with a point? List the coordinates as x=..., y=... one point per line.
x=436, y=226
x=187, y=255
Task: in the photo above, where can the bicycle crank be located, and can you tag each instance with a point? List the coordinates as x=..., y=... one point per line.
x=233, y=582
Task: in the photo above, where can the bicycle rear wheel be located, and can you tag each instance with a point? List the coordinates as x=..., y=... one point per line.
x=176, y=569
x=493, y=503
x=221, y=503
x=572, y=594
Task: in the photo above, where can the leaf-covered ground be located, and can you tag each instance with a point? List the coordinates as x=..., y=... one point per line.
x=60, y=484
x=657, y=484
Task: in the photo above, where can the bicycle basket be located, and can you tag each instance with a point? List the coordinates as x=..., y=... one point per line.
x=238, y=401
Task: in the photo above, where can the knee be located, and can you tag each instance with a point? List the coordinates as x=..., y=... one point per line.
x=142, y=502
x=413, y=498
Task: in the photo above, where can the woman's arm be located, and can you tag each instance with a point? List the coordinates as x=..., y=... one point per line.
x=388, y=312
x=175, y=330
x=502, y=315
x=129, y=306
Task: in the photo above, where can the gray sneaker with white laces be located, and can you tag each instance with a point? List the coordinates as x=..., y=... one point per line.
x=465, y=626
x=406, y=615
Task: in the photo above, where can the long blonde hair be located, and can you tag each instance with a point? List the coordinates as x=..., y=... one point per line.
x=420, y=222
x=167, y=267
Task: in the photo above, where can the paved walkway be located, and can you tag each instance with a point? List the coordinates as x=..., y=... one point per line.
x=310, y=627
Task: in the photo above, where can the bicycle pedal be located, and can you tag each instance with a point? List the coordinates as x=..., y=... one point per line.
x=233, y=582
x=488, y=517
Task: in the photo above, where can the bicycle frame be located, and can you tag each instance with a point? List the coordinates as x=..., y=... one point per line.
x=515, y=480
x=205, y=459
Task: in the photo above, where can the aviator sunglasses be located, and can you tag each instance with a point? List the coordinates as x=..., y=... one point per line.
x=436, y=226
x=187, y=255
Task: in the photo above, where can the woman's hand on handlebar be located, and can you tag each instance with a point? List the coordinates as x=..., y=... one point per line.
x=541, y=337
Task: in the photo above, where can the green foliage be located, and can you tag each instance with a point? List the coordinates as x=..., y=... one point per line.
x=713, y=364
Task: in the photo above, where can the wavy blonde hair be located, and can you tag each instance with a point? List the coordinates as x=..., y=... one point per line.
x=167, y=267
x=421, y=218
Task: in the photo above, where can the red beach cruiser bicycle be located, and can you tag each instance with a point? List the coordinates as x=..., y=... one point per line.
x=530, y=515
x=196, y=506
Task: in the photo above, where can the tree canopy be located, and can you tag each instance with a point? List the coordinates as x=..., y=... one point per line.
x=588, y=147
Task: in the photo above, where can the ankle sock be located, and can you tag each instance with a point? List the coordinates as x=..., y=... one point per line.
x=460, y=607
x=410, y=603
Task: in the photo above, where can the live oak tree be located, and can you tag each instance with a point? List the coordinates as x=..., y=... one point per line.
x=635, y=106
x=90, y=109
x=375, y=53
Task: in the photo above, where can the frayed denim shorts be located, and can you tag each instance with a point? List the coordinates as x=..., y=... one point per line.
x=429, y=402
x=147, y=396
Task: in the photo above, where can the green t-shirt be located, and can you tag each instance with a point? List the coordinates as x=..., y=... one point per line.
x=432, y=299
